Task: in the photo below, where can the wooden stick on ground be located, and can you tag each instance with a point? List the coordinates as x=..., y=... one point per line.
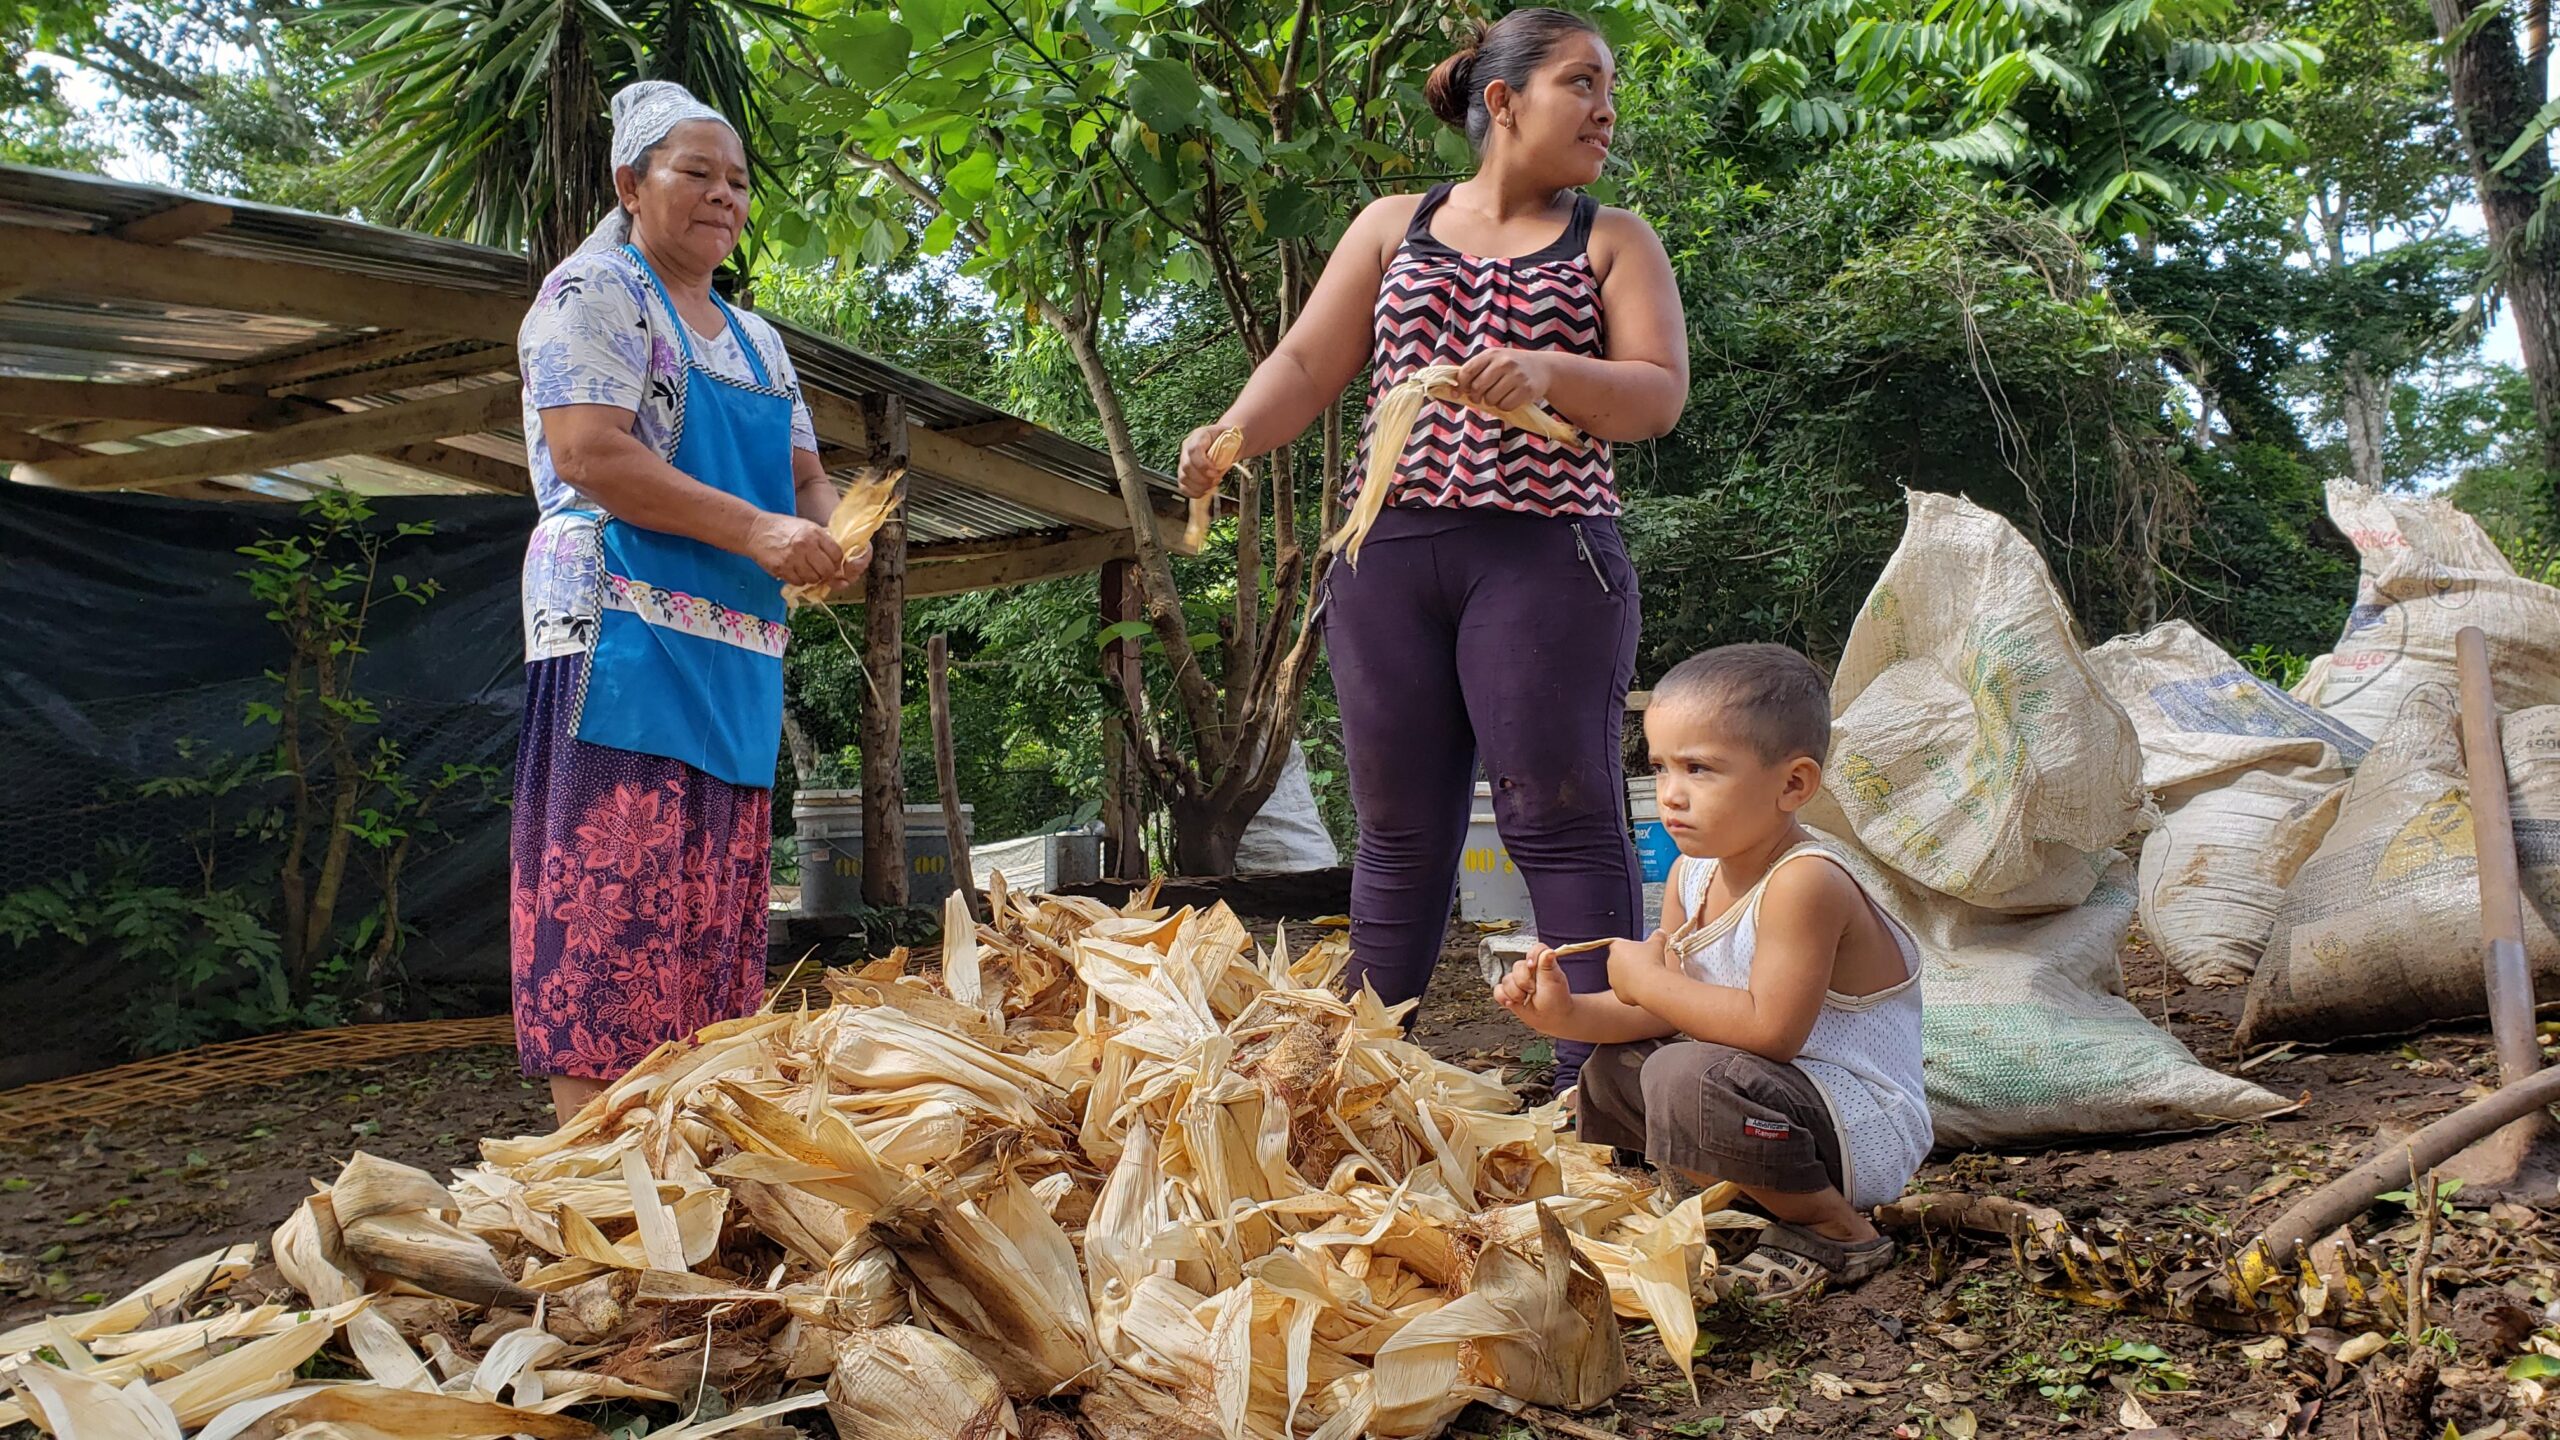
x=946, y=767
x=2348, y=1196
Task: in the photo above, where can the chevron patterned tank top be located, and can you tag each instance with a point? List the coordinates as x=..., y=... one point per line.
x=1439, y=306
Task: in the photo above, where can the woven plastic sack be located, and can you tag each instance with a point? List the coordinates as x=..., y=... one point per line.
x=2380, y=932
x=2027, y=1037
x=1972, y=749
x=2427, y=570
x=2247, y=779
x=1287, y=835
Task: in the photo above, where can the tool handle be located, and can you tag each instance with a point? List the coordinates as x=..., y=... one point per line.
x=2510, y=977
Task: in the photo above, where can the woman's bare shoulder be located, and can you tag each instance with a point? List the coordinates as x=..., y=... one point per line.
x=1616, y=233
x=1381, y=224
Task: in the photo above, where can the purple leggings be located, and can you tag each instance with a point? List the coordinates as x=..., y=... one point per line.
x=1468, y=631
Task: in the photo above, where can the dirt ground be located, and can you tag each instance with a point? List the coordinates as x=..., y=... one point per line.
x=1952, y=1342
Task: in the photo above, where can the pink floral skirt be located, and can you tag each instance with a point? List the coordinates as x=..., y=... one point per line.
x=639, y=893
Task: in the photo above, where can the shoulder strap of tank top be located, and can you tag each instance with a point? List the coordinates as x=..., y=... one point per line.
x=1419, y=227
x=1750, y=904
x=1903, y=939
x=1577, y=231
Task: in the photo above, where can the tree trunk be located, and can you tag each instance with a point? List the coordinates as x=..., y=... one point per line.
x=386, y=946
x=795, y=741
x=2495, y=94
x=1205, y=834
x=1198, y=697
x=1124, y=796
x=2361, y=402
x=570, y=187
x=946, y=769
x=884, y=628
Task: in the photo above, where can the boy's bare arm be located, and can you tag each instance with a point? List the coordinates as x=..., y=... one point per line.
x=1535, y=991
x=1803, y=915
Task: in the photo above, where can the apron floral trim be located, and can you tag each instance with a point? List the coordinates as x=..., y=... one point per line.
x=693, y=615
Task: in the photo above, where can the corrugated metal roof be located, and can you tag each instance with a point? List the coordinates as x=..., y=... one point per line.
x=128, y=341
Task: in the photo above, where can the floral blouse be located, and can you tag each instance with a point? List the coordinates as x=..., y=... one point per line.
x=597, y=336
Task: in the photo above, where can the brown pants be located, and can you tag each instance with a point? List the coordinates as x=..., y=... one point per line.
x=1714, y=1111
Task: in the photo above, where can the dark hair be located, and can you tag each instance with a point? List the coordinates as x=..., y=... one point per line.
x=1509, y=51
x=1772, y=696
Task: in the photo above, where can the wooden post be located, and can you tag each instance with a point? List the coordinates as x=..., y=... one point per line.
x=946, y=767
x=1124, y=853
x=884, y=624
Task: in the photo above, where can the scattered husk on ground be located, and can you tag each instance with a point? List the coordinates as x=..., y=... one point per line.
x=1126, y=1172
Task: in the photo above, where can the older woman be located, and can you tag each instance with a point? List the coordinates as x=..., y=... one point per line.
x=680, y=489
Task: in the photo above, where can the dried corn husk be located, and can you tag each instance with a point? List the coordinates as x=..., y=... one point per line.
x=118, y=1317
x=402, y=1415
x=1127, y=1160
x=76, y=1407
x=1392, y=425
x=1222, y=458
x=865, y=506
x=903, y=1383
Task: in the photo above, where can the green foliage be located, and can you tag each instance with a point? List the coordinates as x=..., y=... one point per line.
x=299, y=850
x=2262, y=564
x=491, y=112
x=2486, y=431
x=200, y=965
x=2118, y=115
x=232, y=95
x=1877, y=322
x=39, y=126
x=2283, y=669
x=2078, y=1375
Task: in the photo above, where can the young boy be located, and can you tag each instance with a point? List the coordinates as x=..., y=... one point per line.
x=1769, y=1033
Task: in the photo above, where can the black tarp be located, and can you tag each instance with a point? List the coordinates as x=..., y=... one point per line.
x=128, y=630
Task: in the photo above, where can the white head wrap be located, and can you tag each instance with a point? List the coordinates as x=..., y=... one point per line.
x=643, y=114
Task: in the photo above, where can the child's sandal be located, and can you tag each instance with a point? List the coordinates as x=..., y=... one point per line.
x=1790, y=1262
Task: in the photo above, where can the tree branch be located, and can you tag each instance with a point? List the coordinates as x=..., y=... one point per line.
x=1289, y=63
x=914, y=188
x=1243, y=57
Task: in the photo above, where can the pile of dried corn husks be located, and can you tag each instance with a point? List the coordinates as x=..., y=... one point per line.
x=1117, y=1171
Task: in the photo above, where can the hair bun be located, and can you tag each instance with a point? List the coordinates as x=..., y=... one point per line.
x=1452, y=88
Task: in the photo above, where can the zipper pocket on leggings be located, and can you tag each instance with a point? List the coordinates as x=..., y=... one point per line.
x=1582, y=546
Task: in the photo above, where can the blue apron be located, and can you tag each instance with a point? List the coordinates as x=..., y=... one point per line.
x=688, y=656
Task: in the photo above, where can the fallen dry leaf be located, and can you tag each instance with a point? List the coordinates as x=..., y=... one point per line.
x=2362, y=1348
x=1766, y=1420
x=2132, y=1416
x=2265, y=1351
x=1960, y=1426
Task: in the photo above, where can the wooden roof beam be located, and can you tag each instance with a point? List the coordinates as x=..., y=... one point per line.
x=184, y=220
x=493, y=360
x=22, y=449
x=1018, y=567
x=173, y=275
x=150, y=404
x=475, y=470
x=302, y=361
x=935, y=551
x=942, y=457
x=350, y=433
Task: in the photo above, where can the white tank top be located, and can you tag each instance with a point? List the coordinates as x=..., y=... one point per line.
x=1864, y=1052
